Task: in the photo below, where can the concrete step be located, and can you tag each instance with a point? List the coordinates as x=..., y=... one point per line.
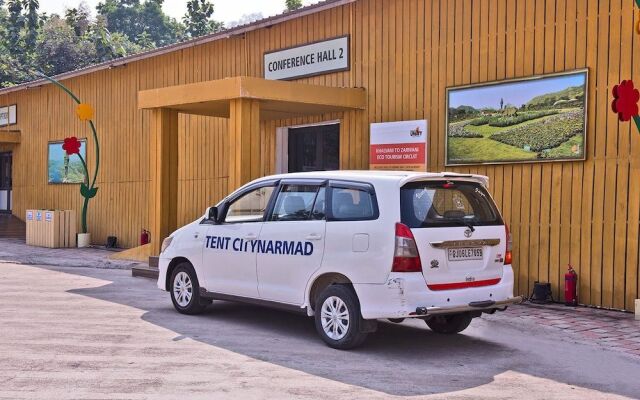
x=145, y=272
x=154, y=261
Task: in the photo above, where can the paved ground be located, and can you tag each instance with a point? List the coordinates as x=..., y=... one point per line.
x=609, y=330
x=69, y=332
x=15, y=250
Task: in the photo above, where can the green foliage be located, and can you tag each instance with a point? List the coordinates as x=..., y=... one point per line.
x=547, y=134
x=293, y=4
x=79, y=19
x=31, y=41
x=32, y=22
x=461, y=113
x=503, y=121
x=549, y=100
x=132, y=18
x=480, y=121
x=59, y=49
x=198, y=20
x=460, y=130
x=15, y=25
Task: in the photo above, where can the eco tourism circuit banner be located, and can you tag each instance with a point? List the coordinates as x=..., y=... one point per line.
x=65, y=169
x=537, y=119
x=399, y=145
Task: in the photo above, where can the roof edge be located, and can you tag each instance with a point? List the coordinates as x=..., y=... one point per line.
x=225, y=34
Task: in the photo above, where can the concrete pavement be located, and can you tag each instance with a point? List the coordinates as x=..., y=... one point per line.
x=16, y=250
x=95, y=333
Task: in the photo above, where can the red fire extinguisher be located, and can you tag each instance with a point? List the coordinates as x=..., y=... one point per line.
x=571, y=287
x=145, y=237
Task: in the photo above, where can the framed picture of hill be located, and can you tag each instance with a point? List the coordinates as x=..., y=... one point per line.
x=62, y=168
x=542, y=118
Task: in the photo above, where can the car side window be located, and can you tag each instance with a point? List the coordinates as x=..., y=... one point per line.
x=352, y=204
x=250, y=207
x=297, y=203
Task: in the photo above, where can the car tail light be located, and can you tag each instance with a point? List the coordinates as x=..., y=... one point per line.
x=405, y=257
x=507, y=254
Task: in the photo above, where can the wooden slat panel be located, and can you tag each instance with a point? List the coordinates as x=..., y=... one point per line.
x=405, y=53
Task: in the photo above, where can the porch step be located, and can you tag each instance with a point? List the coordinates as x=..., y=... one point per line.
x=147, y=272
x=11, y=227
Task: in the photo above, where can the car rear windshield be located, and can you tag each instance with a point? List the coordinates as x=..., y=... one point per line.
x=447, y=203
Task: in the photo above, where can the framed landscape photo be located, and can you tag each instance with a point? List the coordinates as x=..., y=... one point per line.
x=535, y=119
x=63, y=168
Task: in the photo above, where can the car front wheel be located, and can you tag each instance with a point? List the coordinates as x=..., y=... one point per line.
x=185, y=290
x=449, y=324
x=338, y=319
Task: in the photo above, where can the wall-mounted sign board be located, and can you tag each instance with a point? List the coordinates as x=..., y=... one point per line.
x=8, y=115
x=400, y=145
x=308, y=60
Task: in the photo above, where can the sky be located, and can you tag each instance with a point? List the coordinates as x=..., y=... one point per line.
x=225, y=10
x=516, y=94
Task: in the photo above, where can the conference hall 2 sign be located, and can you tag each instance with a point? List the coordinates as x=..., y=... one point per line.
x=311, y=59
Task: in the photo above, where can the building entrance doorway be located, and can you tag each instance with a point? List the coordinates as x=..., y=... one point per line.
x=5, y=182
x=314, y=148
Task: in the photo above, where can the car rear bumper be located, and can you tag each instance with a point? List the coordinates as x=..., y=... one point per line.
x=405, y=295
x=473, y=306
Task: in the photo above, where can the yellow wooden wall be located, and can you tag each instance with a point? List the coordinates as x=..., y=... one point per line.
x=405, y=53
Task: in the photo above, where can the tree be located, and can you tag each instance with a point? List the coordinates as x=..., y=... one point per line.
x=198, y=20
x=10, y=72
x=79, y=18
x=132, y=18
x=110, y=45
x=32, y=23
x=59, y=50
x=293, y=4
x=15, y=24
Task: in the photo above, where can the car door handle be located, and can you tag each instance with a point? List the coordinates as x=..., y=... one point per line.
x=250, y=236
x=314, y=236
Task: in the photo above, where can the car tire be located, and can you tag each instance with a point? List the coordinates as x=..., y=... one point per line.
x=338, y=318
x=185, y=290
x=449, y=324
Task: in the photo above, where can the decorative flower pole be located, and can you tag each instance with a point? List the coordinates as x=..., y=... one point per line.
x=71, y=145
x=625, y=102
x=625, y=96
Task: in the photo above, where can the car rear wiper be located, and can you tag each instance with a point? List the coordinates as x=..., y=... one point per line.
x=468, y=224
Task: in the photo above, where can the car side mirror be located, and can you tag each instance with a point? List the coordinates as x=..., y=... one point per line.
x=212, y=214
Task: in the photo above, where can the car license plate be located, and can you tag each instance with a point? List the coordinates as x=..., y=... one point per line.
x=465, y=253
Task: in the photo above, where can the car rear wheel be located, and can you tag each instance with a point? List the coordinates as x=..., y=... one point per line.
x=185, y=290
x=338, y=319
x=449, y=324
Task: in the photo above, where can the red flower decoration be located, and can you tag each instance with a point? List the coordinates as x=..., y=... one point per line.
x=625, y=100
x=71, y=145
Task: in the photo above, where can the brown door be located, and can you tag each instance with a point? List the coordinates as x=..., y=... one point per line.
x=314, y=148
x=5, y=182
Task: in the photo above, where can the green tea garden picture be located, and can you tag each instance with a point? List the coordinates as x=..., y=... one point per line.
x=63, y=168
x=529, y=120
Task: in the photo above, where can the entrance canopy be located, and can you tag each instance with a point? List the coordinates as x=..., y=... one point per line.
x=245, y=101
x=277, y=99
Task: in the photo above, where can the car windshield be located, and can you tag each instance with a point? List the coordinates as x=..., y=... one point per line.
x=447, y=203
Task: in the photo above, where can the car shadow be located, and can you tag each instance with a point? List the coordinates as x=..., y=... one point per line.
x=398, y=359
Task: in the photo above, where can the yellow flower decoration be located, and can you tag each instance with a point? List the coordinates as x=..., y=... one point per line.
x=84, y=112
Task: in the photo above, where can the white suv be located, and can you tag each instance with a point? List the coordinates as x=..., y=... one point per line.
x=348, y=247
